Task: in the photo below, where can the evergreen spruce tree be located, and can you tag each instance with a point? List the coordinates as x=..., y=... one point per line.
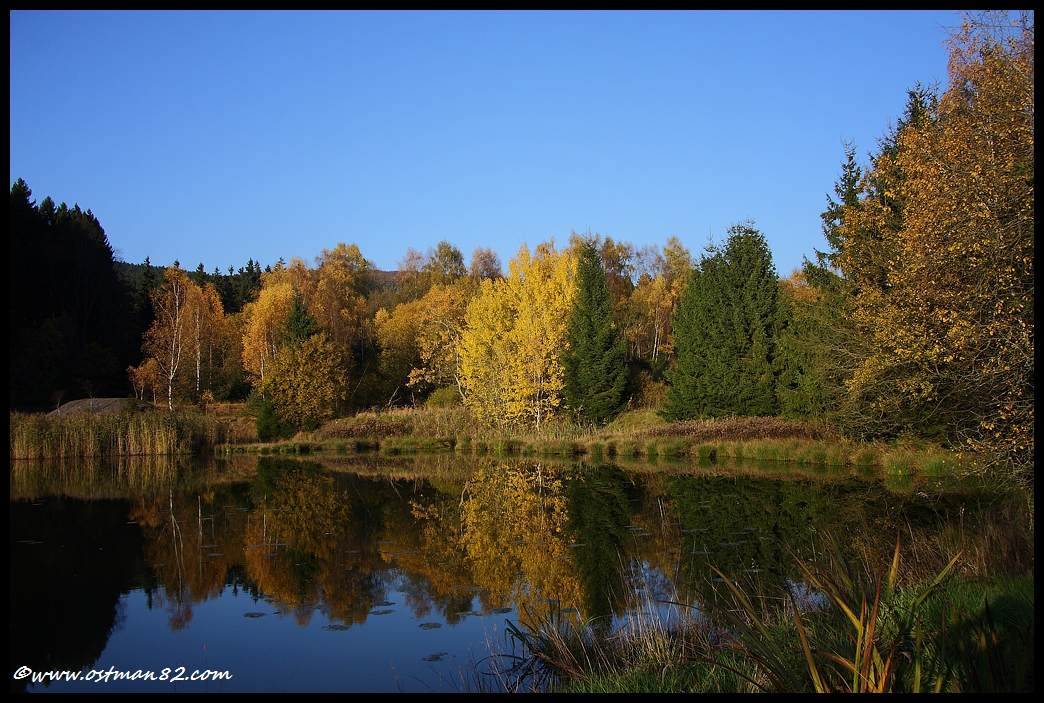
x=299, y=325
x=724, y=333
x=595, y=363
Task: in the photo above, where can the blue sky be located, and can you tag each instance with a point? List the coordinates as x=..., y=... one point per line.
x=218, y=137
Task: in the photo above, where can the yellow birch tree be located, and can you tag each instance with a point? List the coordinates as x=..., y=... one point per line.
x=166, y=341
x=511, y=351
x=265, y=319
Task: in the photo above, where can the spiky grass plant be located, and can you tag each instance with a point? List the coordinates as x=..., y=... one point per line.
x=872, y=638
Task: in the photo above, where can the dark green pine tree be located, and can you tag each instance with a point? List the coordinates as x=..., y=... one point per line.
x=144, y=315
x=595, y=363
x=725, y=333
x=299, y=325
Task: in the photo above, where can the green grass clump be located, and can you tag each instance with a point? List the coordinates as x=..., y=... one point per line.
x=673, y=448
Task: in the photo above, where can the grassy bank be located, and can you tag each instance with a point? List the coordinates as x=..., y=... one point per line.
x=634, y=436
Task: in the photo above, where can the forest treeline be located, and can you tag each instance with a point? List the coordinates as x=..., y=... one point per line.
x=916, y=318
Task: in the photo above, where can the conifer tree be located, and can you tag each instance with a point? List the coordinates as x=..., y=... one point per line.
x=595, y=363
x=725, y=332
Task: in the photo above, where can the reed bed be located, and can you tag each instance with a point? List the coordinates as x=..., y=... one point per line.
x=36, y=436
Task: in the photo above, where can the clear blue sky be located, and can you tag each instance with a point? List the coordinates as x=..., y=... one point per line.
x=218, y=137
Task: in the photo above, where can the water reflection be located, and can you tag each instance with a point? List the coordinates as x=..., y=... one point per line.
x=347, y=542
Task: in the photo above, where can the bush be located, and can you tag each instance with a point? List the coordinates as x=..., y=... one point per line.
x=445, y=397
x=269, y=427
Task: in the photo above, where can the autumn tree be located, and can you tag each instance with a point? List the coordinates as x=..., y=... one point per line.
x=265, y=318
x=484, y=264
x=440, y=325
x=651, y=306
x=511, y=351
x=444, y=265
x=306, y=382
x=397, y=336
x=308, y=374
x=945, y=293
x=594, y=361
x=168, y=340
x=206, y=321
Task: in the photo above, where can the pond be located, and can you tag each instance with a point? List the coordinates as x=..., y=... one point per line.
x=358, y=574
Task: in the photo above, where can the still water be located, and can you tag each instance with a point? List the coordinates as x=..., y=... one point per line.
x=371, y=574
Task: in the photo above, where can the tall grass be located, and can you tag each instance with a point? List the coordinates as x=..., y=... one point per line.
x=37, y=436
x=836, y=631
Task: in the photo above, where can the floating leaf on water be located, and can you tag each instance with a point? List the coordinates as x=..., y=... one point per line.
x=435, y=657
x=253, y=615
x=430, y=625
x=382, y=604
x=501, y=611
x=336, y=628
x=381, y=612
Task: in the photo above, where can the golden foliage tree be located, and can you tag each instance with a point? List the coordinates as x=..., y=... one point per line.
x=206, y=322
x=265, y=318
x=168, y=338
x=942, y=257
x=511, y=350
x=306, y=381
x=440, y=326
